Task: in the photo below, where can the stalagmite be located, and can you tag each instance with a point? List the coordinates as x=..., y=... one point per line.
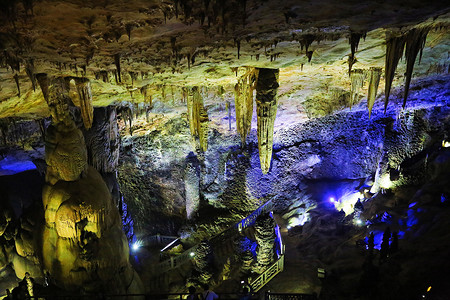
x=85, y=101
x=265, y=237
x=394, y=51
x=357, y=81
x=374, y=81
x=415, y=41
x=198, y=118
x=243, y=101
x=266, y=110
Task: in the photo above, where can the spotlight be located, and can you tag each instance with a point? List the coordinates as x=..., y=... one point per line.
x=359, y=222
x=332, y=199
x=192, y=254
x=288, y=227
x=136, y=245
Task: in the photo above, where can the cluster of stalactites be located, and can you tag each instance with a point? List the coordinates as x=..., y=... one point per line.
x=198, y=118
x=59, y=105
x=374, y=81
x=266, y=110
x=414, y=41
x=357, y=78
x=243, y=99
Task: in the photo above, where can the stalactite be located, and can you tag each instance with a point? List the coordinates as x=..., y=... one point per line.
x=243, y=102
x=266, y=110
x=394, y=51
x=117, y=63
x=198, y=118
x=354, y=39
x=43, y=84
x=415, y=41
x=357, y=81
x=16, y=79
x=374, y=81
x=85, y=101
x=29, y=69
x=309, y=55
x=238, y=44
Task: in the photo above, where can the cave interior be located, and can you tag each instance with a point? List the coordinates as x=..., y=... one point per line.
x=297, y=149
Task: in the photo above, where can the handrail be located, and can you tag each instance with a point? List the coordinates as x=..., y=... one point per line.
x=289, y=296
x=267, y=275
x=184, y=257
x=158, y=239
x=250, y=219
x=162, y=296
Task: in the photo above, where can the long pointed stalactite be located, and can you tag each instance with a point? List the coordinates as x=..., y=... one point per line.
x=266, y=110
x=394, y=51
x=85, y=101
x=16, y=79
x=354, y=39
x=243, y=102
x=198, y=118
x=415, y=41
x=374, y=81
x=118, y=70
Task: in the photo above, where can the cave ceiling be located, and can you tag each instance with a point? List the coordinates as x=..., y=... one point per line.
x=135, y=50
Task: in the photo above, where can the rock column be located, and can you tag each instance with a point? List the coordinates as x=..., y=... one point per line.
x=84, y=247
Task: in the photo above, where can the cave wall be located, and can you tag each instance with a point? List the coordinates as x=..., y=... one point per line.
x=346, y=147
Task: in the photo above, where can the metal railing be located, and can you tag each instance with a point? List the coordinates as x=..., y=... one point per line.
x=159, y=239
x=289, y=296
x=267, y=275
x=186, y=256
x=167, y=296
x=250, y=219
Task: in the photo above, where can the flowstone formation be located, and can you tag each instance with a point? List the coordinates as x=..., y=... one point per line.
x=266, y=110
x=84, y=248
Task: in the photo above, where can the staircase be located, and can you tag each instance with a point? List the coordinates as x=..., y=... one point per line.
x=223, y=246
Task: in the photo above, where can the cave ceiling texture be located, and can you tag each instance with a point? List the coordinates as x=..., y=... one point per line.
x=196, y=112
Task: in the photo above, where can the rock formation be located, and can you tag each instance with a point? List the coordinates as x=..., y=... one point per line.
x=357, y=78
x=415, y=41
x=84, y=248
x=265, y=237
x=266, y=110
x=394, y=51
x=374, y=81
x=243, y=102
x=198, y=118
